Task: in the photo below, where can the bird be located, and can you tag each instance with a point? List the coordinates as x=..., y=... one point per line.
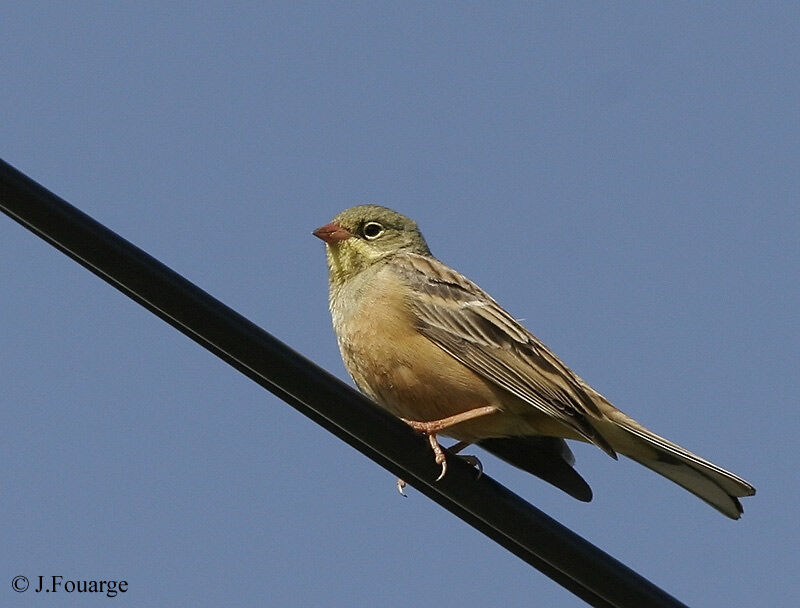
x=434, y=349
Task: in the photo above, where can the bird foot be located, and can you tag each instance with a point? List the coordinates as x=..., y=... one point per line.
x=440, y=459
x=432, y=427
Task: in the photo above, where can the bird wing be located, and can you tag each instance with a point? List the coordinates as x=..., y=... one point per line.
x=464, y=321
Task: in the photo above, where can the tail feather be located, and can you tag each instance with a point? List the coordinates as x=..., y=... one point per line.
x=699, y=485
x=713, y=484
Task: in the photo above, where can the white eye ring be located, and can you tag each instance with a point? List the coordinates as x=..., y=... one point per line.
x=372, y=230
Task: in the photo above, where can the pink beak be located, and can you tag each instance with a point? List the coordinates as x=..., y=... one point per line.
x=332, y=233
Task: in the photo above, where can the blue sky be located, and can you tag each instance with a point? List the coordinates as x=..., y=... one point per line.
x=623, y=177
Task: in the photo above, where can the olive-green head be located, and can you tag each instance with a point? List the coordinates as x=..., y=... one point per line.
x=360, y=236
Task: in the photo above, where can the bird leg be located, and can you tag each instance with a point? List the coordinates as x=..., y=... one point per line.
x=431, y=428
x=435, y=426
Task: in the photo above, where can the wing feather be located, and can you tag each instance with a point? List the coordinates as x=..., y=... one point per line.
x=464, y=321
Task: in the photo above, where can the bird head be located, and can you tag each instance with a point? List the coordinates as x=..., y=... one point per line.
x=360, y=236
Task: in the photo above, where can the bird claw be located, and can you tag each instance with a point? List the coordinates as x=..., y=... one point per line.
x=444, y=467
x=439, y=452
x=475, y=462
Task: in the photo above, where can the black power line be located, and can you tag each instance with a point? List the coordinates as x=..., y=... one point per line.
x=489, y=507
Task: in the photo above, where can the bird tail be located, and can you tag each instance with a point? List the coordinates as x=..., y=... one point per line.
x=716, y=486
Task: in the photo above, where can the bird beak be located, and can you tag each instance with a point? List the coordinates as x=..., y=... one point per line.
x=332, y=233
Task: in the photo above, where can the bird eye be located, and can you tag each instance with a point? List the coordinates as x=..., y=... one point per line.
x=372, y=230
